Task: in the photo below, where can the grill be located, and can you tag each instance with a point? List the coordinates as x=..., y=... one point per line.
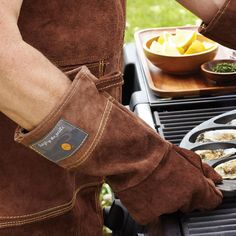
x=220, y=222
x=173, y=119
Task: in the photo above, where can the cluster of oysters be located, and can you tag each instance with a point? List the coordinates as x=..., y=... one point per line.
x=215, y=142
x=226, y=169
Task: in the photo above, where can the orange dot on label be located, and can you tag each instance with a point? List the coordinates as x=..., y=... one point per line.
x=66, y=146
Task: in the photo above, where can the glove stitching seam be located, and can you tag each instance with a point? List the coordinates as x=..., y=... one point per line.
x=217, y=16
x=69, y=205
x=96, y=139
x=109, y=86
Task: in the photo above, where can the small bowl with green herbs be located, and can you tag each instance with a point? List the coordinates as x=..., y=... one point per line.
x=220, y=71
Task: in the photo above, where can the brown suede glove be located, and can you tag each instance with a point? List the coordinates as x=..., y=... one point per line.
x=208, y=171
x=92, y=134
x=222, y=26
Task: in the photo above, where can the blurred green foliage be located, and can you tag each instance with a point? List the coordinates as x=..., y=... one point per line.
x=155, y=13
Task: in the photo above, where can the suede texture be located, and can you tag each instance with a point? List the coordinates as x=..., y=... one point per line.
x=38, y=197
x=74, y=31
x=149, y=175
x=77, y=32
x=83, y=219
x=222, y=27
x=32, y=184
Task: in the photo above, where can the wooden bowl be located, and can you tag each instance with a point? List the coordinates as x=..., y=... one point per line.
x=217, y=77
x=182, y=64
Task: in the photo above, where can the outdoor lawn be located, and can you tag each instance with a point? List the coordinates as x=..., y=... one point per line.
x=155, y=13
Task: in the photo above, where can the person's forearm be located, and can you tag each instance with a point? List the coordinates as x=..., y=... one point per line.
x=205, y=10
x=30, y=85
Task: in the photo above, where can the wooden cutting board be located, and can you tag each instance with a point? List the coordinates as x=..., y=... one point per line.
x=168, y=85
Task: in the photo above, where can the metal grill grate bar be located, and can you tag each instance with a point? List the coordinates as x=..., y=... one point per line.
x=204, y=110
x=220, y=222
x=173, y=124
x=212, y=223
x=228, y=233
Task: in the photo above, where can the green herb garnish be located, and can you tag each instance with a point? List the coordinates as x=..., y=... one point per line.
x=225, y=67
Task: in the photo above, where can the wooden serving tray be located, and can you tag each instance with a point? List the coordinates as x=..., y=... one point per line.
x=168, y=85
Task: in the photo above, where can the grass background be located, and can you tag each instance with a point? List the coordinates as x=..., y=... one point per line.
x=155, y=13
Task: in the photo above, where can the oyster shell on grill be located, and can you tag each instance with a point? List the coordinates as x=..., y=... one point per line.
x=222, y=135
x=208, y=155
x=232, y=122
x=227, y=169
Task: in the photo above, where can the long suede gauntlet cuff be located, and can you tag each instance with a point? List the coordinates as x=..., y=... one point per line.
x=88, y=131
x=222, y=27
x=91, y=133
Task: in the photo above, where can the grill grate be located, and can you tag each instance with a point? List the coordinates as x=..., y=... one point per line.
x=174, y=124
x=220, y=222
